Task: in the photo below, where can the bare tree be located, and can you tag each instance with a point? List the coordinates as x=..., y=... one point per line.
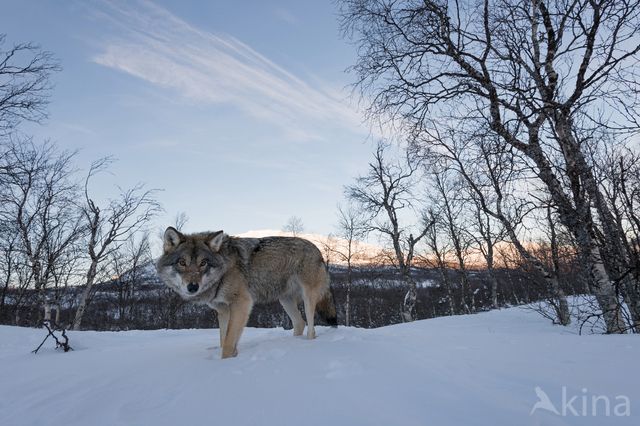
x=466, y=226
x=488, y=233
x=108, y=229
x=179, y=221
x=439, y=246
x=384, y=193
x=37, y=199
x=618, y=173
x=9, y=266
x=350, y=228
x=24, y=84
x=491, y=179
x=129, y=264
x=451, y=212
x=535, y=73
x=329, y=246
x=294, y=225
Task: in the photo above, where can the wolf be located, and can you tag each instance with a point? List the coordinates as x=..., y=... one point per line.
x=231, y=274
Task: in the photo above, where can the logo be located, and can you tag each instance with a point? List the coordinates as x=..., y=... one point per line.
x=599, y=405
x=544, y=403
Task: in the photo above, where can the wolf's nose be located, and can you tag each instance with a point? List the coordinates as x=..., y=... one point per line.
x=193, y=287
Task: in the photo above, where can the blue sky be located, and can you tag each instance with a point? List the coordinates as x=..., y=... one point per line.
x=237, y=110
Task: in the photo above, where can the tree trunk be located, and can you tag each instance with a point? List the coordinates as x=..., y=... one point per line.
x=579, y=221
x=488, y=257
x=631, y=291
x=409, y=299
x=562, y=307
x=82, y=306
x=447, y=285
x=466, y=288
x=550, y=278
x=47, y=309
x=348, y=304
x=494, y=290
x=605, y=294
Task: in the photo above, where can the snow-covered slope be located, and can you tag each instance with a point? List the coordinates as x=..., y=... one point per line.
x=465, y=370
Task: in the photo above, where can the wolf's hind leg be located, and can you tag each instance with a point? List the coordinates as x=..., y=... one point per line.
x=310, y=311
x=290, y=305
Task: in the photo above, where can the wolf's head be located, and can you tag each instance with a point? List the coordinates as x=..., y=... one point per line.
x=191, y=264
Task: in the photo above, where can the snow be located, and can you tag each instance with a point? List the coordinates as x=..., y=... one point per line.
x=465, y=370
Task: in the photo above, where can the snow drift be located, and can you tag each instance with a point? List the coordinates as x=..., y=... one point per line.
x=464, y=370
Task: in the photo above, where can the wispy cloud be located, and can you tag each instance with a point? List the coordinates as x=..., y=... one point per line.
x=285, y=15
x=158, y=47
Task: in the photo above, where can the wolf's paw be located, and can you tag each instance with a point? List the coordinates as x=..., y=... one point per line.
x=231, y=354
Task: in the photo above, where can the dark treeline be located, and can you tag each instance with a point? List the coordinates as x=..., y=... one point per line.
x=140, y=301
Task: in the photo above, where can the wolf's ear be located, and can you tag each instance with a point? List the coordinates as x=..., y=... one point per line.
x=172, y=239
x=214, y=240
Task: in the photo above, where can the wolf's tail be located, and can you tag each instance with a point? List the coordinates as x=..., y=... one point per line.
x=327, y=308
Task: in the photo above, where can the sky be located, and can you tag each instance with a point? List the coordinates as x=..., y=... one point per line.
x=238, y=111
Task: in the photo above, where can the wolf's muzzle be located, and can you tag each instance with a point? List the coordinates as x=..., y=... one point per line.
x=193, y=288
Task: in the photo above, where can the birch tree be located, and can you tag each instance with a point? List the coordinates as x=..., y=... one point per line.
x=109, y=227
x=438, y=247
x=24, y=84
x=452, y=215
x=492, y=179
x=37, y=198
x=24, y=94
x=487, y=233
x=350, y=228
x=384, y=193
x=294, y=225
x=618, y=173
x=535, y=73
x=128, y=263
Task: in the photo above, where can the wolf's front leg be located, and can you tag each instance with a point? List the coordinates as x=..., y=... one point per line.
x=223, y=321
x=238, y=316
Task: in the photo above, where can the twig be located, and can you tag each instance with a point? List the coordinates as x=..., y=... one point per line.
x=52, y=327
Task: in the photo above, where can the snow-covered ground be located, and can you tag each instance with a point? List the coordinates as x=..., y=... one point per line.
x=465, y=370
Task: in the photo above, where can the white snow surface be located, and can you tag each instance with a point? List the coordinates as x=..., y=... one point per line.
x=464, y=370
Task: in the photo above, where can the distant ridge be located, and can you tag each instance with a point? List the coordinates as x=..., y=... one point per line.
x=505, y=255
x=334, y=248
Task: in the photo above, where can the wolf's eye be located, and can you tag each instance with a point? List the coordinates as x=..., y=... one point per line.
x=181, y=262
x=203, y=263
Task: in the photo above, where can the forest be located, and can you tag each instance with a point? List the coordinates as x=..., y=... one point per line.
x=510, y=122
